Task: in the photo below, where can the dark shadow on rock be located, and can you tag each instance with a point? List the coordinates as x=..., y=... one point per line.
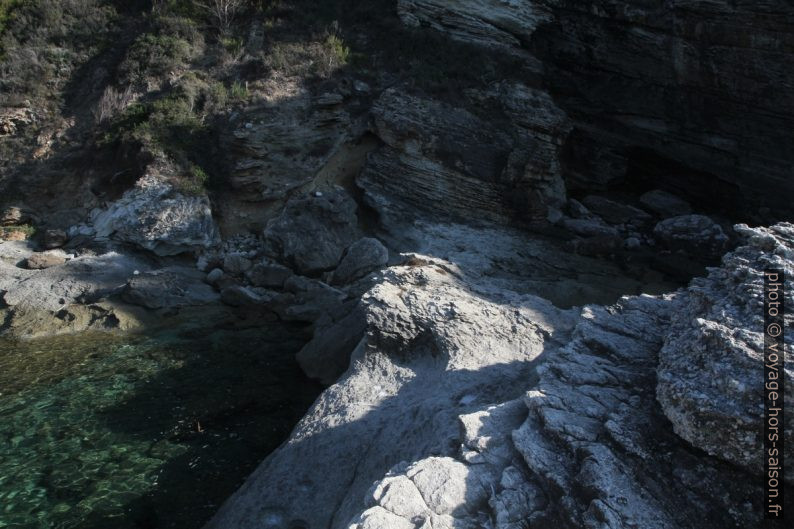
x=234, y=398
x=322, y=478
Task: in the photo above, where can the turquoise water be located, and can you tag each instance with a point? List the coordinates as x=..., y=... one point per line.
x=99, y=431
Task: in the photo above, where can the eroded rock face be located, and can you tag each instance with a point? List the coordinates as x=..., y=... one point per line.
x=491, y=22
x=424, y=329
x=449, y=160
x=709, y=381
x=312, y=232
x=456, y=165
x=283, y=144
x=156, y=217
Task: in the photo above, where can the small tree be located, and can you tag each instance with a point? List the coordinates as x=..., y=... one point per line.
x=221, y=11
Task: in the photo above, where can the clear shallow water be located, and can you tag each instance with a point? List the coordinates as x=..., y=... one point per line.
x=98, y=431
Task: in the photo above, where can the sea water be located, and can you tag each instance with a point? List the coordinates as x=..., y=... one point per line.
x=101, y=431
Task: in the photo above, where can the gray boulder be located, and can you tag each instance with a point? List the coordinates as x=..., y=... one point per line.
x=361, y=258
x=319, y=303
x=42, y=260
x=665, y=204
x=312, y=233
x=327, y=355
x=215, y=275
x=695, y=234
x=236, y=264
x=268, y=275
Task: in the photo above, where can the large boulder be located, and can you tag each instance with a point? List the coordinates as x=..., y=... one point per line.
x=698, y=235
x=268, y=275
x=42, y=260
x=236, y=264
x=327, y=355
x=665, y=204
x=312, y=232
x=54, y=238
x=710, y=385
x=155, y=216
x=361, y=258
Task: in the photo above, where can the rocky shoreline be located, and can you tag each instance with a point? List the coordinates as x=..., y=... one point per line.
x=534, y=302
x=459, y=396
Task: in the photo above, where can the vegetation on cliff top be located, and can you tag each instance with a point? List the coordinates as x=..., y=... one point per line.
x=162, y=76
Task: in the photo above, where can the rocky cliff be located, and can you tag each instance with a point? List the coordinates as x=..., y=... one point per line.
x=493, y=255
x=687, y=93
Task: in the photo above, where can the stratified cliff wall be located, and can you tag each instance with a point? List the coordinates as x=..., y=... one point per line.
x=691, y=96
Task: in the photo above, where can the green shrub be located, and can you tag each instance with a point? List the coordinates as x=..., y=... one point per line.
x=195, y=182
x=27, y=229
x=43, y=41
x=233, y=45
x=6, y=12
x=238, y=91
x=217, y=95
x=338, y=52
x=155, y=56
